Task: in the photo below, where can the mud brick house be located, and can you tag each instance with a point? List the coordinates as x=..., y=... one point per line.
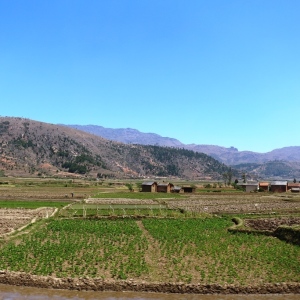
x=264, y=186
x=149, y=186
x=164, y=187
x=293, y=187
x=278, y=186
x=250, y=186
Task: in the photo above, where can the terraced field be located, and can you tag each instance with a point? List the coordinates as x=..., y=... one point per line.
x=166, y=242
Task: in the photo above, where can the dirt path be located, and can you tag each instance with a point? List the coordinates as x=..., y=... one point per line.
x=153, y=256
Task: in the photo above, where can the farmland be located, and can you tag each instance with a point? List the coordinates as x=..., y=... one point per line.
x=182, y=240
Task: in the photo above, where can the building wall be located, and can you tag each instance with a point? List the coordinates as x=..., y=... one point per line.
x=278, y=188
x=293, y=185
x=147, y=188
x=154, y=188
x=264, y=187
x=251, y=188
x=188, y=189
x=162, y=189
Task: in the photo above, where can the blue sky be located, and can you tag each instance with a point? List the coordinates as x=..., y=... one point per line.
x=219, y=72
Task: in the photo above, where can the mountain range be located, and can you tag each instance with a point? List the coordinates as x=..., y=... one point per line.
x=229, y=156
x=276, y=164
x=32, y=148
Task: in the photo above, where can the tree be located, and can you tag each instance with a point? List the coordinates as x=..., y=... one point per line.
x=129, y=186
x=139, y=186
x=295, y=180
x=229, y=176
x=225, y=176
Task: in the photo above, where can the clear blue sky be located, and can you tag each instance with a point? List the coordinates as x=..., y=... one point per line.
x=220, y=72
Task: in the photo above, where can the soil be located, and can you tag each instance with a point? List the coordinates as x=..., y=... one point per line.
x=43, y=193
x=120, y=201
x=16, y=278
x=13, y=219
x=271, y=224
x=239, y=203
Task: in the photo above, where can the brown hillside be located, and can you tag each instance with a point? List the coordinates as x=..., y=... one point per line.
x=35, y=148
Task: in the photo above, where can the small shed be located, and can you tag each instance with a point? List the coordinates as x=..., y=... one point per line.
x=188, y=189
x=177, y=189
x=278, y=186
x=265, y=186
x=149, y=186
x=164, y=187
x=295, y=190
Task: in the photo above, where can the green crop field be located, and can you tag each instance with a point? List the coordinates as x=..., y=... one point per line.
x=165, y=250
x=125, y=210
x=31, y=204
x=78, y=248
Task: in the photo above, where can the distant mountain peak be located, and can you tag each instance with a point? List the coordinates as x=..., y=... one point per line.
x=230, y=156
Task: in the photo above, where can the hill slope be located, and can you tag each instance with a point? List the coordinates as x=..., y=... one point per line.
x=37, y=148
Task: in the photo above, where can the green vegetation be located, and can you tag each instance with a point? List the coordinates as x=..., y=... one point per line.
x=31, y=204
x=80, y=248
x=129, y=186
x=75, y=168
x=126, y=210
x=189, y=250
x=206, y=246
x=155, y=237
x=22, y=143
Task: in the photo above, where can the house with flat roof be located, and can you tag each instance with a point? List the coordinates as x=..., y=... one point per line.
x=249, y=186
x=278, y=186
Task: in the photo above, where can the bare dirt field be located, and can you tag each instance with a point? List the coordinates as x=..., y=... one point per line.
x=13, y=219
x=271, y=224
x=120, y=201
x=239, y=203
x=43, y=193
